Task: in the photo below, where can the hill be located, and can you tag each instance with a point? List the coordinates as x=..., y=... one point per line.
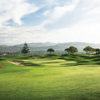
x=42, y=47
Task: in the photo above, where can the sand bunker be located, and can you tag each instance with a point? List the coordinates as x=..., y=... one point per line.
x=16, y=62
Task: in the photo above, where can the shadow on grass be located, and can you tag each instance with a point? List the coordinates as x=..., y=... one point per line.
x=82, y=59
x=23, y=57
x=51, y=62
x=31, y=64
x=14, y=71
x=70, y=64
x=26, y=63
x=2, y=59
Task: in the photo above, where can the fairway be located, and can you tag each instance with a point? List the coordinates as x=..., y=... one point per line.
x=55, y=78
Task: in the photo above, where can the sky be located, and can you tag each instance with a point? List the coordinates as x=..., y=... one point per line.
x=55, y=21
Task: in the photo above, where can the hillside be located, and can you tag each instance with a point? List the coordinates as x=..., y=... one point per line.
x=42, y=47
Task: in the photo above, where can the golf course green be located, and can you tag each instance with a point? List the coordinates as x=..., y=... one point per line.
x=67, y=77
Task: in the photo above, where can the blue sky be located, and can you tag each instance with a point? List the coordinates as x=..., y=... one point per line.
x=49, y=21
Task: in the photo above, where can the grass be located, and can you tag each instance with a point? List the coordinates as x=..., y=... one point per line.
x=67, y=77
x=1, y=65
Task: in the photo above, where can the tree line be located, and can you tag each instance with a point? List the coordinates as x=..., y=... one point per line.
x=70, y=50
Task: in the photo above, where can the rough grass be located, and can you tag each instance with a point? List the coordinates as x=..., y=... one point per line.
x=1, y=65
x=67, y=77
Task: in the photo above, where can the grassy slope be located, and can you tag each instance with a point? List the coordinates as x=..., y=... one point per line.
x=75, y=78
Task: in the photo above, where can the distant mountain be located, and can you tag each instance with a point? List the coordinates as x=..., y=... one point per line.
x=38, y=44
x=42, y=47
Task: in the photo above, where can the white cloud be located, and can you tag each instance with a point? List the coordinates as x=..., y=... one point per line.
x=94, y=11
x=58, y=12
x=51, y=2
x=85, y=29
x=46, y=13
x=15, y=10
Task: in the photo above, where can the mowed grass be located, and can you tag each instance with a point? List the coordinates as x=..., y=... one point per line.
x=68, y=77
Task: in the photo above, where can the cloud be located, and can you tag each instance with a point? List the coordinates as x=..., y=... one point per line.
x=58, y=12
x=94, y=11
x=51, y=2
x=84, y=14
x=15, y=10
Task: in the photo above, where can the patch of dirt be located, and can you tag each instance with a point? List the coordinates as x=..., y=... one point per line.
x=16, y=62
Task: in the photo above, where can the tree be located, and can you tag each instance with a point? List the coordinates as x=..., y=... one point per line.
x=71, y=49
x=50, y=50
x=67, y=50
x=89, y=50
x=97, y=51
x=25, y=49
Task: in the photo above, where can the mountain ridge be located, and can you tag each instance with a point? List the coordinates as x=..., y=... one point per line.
x=46, y=45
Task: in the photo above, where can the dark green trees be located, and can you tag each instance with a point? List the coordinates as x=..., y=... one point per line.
x=71, y=49
x=97, y=51
x=67, y=50
x=89, y=50
x=50, y=50
x=25, y=49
